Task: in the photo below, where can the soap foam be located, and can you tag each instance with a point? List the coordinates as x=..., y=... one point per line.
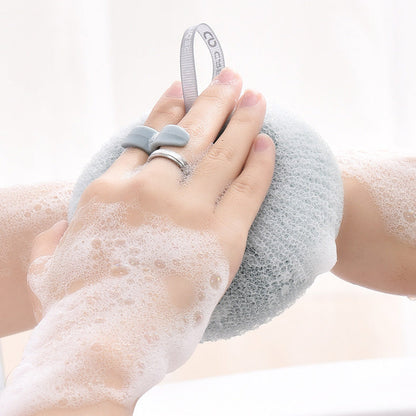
x=29, y=210
x=292, y=239
x=390, y=177
x=25, y=211
x=123, y=306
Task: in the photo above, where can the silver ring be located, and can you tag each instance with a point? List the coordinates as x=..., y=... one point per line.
x=175, y=157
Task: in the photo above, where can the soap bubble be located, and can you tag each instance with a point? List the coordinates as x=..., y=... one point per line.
x=296, y=225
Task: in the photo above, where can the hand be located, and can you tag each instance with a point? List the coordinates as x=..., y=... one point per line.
x=130, y=288
x=223, y=193
x=228, y=166
x=25, y=211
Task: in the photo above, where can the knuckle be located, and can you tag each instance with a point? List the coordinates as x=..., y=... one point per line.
x=240, y=117
x=143, y=184
x=221, y=154
x=104, y=189
x=214, y=97
x=170, y=111
x=99, y=186
x=245, y=185
x=195, y=129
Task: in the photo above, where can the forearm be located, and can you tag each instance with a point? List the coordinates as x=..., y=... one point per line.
x=369, y=253
x=120, y=309
x=25, y=211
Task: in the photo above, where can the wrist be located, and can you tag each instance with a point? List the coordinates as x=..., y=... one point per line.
x=43, y=386
x=114, y=322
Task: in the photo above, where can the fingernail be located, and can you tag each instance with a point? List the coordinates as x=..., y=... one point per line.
x=261, y=143
x=226, y=76
x=249, y=98
x=175, y=90
x=60, y=226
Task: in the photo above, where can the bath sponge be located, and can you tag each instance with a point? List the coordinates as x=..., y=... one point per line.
x=292, y=239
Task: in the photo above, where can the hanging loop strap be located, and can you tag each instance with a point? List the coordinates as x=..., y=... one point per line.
x=187, y=60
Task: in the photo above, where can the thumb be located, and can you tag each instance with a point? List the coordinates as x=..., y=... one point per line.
x=44, y=246
x=45, y=243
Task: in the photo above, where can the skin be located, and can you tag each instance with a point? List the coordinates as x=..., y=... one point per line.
x=17, y=236
x=367, y=254
x=246, y=175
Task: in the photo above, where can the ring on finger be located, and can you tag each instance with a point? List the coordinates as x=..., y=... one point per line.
x=173, y=156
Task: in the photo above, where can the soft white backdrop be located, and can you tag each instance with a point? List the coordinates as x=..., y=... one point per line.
x=74, y=72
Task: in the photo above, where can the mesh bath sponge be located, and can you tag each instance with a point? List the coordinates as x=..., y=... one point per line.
x=292, y=238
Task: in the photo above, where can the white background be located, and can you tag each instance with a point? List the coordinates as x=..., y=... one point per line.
x=74, y=72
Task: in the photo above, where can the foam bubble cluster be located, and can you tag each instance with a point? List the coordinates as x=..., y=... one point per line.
x=292, y=239
x=30, y=210
x=25, y=211
x=122, y=306
x=390, y=177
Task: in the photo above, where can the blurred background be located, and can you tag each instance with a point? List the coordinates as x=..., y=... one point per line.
x=75, y=72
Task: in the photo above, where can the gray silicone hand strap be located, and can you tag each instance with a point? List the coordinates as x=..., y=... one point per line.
x=170, y=135
x=140, y=137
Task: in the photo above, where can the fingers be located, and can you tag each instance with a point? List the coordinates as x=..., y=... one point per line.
x=226, y=157
x=170, y=109
x=242, y=200
x=45, y=243
x=203, y=121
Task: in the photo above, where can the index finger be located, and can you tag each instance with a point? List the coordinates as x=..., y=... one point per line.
x=169, y=109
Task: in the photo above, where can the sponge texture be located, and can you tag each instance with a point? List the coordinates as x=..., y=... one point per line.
x=291, y=240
